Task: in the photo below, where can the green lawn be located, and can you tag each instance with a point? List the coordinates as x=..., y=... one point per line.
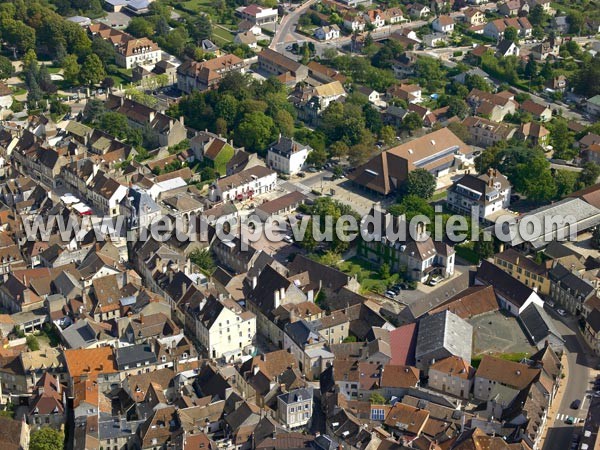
x=367, y=275
x=514, y=357
x=465, y=251
x=196, y=5
x=439, y=196
x=221, y=36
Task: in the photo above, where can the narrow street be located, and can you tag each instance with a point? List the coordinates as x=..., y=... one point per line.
x=579, y=373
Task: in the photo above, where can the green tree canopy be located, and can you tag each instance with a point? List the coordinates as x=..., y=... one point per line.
x=256, y=131
x=92, y=71
x=46, y=438
x=421, y=183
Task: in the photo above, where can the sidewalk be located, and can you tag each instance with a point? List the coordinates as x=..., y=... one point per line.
x=553, y=411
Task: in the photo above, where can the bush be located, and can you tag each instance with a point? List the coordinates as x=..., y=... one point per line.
x=32, y=343
x=457, y=54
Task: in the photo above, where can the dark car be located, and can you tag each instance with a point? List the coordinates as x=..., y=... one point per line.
x=576, y=404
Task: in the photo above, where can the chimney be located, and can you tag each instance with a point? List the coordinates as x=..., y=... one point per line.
x=141, y=318
x=181, y=120
x=277, y=301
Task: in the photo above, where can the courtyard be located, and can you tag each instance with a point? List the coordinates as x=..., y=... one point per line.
x=498, y=333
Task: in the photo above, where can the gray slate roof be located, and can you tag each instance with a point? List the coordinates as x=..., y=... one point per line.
x=297, y=395
x=444, y=330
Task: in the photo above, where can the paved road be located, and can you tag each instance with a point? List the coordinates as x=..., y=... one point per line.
x=577, y=385
x=285, y=33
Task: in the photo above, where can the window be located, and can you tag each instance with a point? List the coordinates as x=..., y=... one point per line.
x=377, y=414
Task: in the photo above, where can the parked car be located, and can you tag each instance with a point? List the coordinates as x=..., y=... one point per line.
x=301, y=174
x=435, y=280
x=550, y=303
x=561, y=312
x=313, y=169
x=575, y=404
x=390, y=294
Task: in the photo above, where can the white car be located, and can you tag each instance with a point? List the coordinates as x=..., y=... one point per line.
x=550, y=303
x=561, y=312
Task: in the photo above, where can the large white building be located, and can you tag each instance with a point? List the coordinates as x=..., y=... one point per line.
x=225, y=329
x=490, y=193
x=287, y=156
x=243, y=185
x=258, y=15
x=294, y=408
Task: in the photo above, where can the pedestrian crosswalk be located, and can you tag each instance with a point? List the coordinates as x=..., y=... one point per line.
x=563, y=417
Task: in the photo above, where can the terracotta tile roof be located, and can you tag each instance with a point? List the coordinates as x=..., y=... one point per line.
x=516, y=375
x=454, y=366
x=472, y=302
x=533, y=107
x=399, y=376
x=403, y=342
x=4, y=90
x=90, y=362
x=409, y=419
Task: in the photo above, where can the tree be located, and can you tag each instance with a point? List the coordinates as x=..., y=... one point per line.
x=140, y=27
x=34, y=94
x=531, y=68
x=412, y=121
x=575, y=19
x=589, y=175
x=384, y=271
x=377, y=399
x=330, y=258
x=529, y=171
x=338, y=149
x=388, y=135
x=566, y=182
x=511, y=34
x=202, y=28
x=358, y=154
x=460, y=130
x=317, y=158
x=562, y=141
x=6, y=68
x=92, y=70
x=411, y=206
x=483, y=248
x=46, y=438
x=421, y=183
x=586, y=78
x=284, y=122
x=537, y=16
x=255, y=131
x=32, y=343
x=204, y=260
x=45, y=80
x=105, y=50
x=458, y=107
x=108, y=83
